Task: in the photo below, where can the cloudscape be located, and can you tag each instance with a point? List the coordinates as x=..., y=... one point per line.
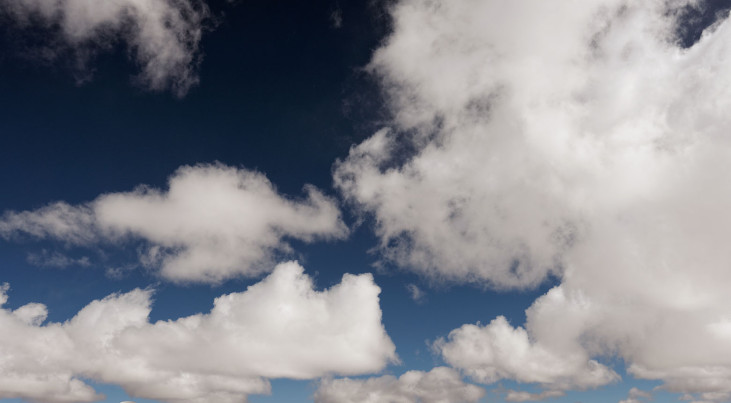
x=407, y=201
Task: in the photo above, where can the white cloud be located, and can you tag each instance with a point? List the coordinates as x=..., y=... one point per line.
x=440, y=385
x=522, y=396
x=636, y=396
x=213, y=223
x=163, y=35
x=499, y=351
x=279, y=327
x=576, y=139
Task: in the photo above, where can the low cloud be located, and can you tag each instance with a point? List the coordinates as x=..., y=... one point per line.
x=522, y=396
x=213, y=223
x=499, y=351
x=162, y=35
x=439, y=385
x=637, y=396
x=280, y=327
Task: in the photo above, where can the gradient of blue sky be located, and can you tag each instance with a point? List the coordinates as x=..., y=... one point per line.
x=284, y=90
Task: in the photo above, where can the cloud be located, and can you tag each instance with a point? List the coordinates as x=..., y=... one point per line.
x=439, y=385
x=56, y=259
x=521, y=396
x=213, y=223
x=280, y=327
x=499, y=351
x=637, y=396
x=161, y=35
x=571, y=139
x=416, y=293
x=336, y=17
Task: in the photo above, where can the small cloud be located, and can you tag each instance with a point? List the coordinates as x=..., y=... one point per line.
x=119, y=272
x=56, y=260
x=336, y=17
x=416, y=293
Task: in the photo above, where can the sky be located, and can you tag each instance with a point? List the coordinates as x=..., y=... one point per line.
x=371, y=201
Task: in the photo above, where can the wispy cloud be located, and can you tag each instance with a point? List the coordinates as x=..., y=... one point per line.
x=162, y=35
x=441, y=384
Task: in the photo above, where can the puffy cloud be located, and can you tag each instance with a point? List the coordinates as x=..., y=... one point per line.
x=163, y=35
x=574, y=139
x=213, y=223
x=499, y=351
x=279, y=327
x=636, y=396
x=440, y=385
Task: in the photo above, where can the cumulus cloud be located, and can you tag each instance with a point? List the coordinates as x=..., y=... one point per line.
x=573, y=139
x=637, y=396
x=280, y=327
x=162, y=35
x=499, y=351
x=440, y=385
x=214, y=222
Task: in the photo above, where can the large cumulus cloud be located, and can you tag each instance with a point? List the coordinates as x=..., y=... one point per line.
x=574, y=139
x=213, y=223
x=279, y=327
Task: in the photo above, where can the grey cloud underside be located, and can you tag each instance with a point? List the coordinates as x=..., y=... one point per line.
x=574, y=139
x=278, y=328
x=162, y=35
x=213, y=223
x=440, y=385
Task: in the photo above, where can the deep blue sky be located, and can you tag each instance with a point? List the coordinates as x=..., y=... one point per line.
x=282, y=91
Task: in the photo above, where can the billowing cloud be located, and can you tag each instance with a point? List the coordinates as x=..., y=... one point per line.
x=499, y=351
x=162, y=35
x=440, y=385
x=574, y=139
x=213, y=223
x=279, y=327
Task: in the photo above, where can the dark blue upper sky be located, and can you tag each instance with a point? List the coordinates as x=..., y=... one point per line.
x=284, y=90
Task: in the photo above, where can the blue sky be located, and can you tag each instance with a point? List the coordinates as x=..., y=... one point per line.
x=364, y=201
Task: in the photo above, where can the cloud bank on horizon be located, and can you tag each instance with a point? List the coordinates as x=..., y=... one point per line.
x=569, y=139
x=279, y=327
x=529, y=140
x=439, y=385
